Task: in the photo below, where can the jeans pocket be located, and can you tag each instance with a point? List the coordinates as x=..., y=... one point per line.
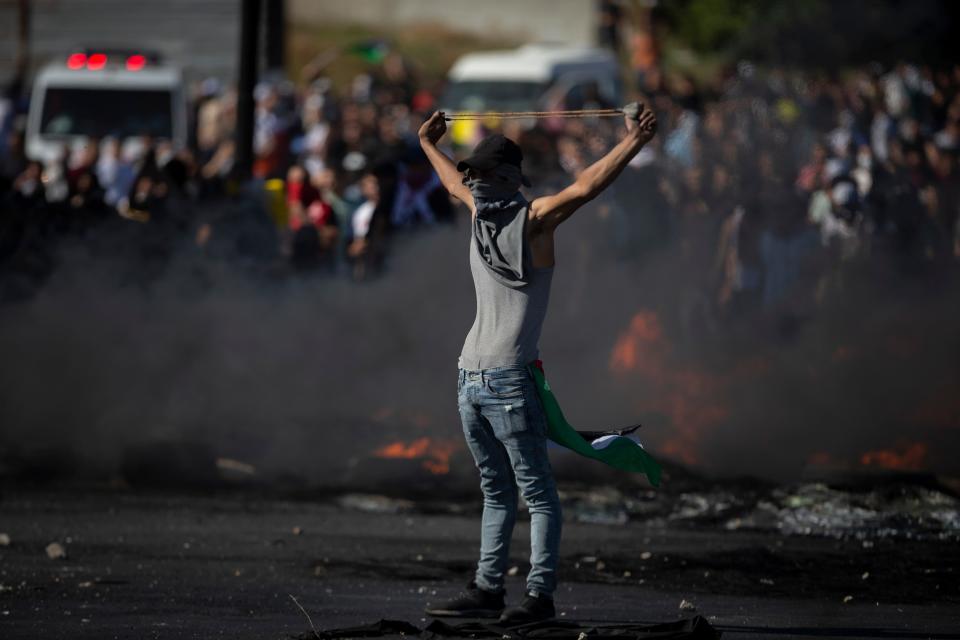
x=504, y=387
x=509, y=418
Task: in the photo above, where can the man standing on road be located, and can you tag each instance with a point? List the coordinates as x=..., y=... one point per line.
x=512, y=260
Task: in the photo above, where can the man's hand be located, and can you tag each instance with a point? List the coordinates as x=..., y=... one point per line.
x=550, y=211
x=433, y=129
x=641, y=118
x=430, y=132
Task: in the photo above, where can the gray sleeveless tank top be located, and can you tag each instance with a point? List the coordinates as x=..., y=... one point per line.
x=507, y=327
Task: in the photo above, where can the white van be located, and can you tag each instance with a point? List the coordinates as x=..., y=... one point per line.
x=98, y=93
x=530, y=78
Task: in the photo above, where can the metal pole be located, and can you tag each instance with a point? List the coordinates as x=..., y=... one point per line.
x=275, y=46
x=23, y=40
x=249, y=32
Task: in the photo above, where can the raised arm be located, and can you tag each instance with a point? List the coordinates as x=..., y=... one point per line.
x=430, y=132
x=550, y=211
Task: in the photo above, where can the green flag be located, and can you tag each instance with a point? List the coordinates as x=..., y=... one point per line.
x=621, y=452
x=373, y=51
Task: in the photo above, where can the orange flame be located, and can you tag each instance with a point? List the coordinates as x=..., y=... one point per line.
x=415, y=449
x=909, y=458
x=690, y=397
x=644, y=333
x=436, y=454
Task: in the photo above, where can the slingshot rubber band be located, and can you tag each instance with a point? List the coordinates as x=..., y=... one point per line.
x=507, y=115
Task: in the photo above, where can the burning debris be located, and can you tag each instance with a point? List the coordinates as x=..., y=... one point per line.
x=433, y=455
x=911, y=459
x=688, y=397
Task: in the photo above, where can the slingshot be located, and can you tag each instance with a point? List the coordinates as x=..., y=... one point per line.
x=508, y=115
x=632, y=110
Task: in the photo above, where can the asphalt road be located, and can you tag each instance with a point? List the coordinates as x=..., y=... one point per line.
x=151, y=565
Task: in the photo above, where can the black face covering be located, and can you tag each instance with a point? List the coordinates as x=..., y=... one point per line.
x=498, y=228
x=502, y=183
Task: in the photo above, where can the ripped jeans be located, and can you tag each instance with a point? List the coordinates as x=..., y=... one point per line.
x=506, y=431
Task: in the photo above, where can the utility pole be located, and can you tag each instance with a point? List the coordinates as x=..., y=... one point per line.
x=249, y=37
x=276, y=30
x=22, y=62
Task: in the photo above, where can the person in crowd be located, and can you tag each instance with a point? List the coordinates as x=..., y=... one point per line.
x=420, y=198
x=747, y=169
x=359, y=249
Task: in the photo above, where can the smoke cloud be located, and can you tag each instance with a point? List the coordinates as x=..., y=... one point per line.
x=306, y=376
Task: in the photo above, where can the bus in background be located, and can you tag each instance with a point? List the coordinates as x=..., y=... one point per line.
x=92, y=94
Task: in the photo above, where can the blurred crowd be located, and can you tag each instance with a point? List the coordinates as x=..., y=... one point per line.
x=757, y=179
x=778, y=183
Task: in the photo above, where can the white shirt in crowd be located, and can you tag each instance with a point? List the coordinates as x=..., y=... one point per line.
x=361, y=219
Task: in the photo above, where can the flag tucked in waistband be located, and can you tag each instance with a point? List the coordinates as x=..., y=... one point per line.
x=620, y=451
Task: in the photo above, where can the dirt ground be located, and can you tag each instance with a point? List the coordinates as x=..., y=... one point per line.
x=166, y=565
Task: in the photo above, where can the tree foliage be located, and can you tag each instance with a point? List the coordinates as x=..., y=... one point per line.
x=819, y=33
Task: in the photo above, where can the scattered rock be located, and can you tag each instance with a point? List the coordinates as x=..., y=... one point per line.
x=512, y=571
x=55, y=551
x=230, y=465
x=646, y=555
x=595, y=515
x=372, y=503
x=686, y=605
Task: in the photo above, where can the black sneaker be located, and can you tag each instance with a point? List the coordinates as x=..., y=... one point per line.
x=533, y=609
x=472, y=603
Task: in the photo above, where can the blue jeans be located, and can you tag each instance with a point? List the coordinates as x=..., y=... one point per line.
x=506, y=431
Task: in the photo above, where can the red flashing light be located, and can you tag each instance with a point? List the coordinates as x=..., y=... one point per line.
x=76, y=60
x=136, y=62
x=96, y=61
